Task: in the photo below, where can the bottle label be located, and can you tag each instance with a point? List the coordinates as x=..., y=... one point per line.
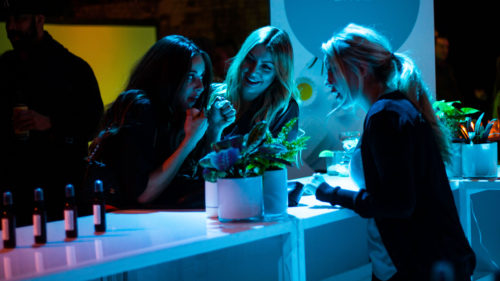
x=37, y=225
x=97, y=214
x=68, y=220
x=5, y=229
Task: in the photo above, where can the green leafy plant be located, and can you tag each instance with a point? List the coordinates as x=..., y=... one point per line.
x=452, y=117
x=277, y=153
x=252, y=154
x=235, y=157
x=476, y=132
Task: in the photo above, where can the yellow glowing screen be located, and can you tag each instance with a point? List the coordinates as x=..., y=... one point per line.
x=111, y=50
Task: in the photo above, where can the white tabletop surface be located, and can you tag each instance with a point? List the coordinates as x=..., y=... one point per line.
x=133, y=239
x=313, y=212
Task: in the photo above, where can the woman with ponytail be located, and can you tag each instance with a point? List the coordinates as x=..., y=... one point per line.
x=413, y=223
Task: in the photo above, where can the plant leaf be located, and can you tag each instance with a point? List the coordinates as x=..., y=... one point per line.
x=326, y=153
x=468, y=110
x=487, y=129
x=225, y=159
x=234, y=141
x=274, y=148
x=256, y=136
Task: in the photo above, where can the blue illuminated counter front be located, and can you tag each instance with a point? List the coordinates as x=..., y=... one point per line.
x=316, y=242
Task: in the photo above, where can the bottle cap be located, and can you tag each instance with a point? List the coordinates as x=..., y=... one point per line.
x=38, y=194
x=7, y=198
x=98, y=186
x=70, y=190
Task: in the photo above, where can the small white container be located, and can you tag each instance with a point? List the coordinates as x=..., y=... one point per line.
x=211, y=202
x=275, y=194
x=454, y=168
x=480, y=160
x=240, y=199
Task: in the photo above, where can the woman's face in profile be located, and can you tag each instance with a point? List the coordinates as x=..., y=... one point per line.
x=193, y=88
x=258, y=72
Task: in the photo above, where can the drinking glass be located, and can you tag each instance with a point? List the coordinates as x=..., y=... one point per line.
x=349, y=141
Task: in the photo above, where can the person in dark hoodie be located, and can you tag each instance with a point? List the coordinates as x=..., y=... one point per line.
x=51, y=107
x=413, y=224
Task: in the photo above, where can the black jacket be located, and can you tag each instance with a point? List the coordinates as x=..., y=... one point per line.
x=407, y=191
x=62, y=86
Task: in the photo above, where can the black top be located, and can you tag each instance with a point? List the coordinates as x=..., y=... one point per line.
x=139, y=148
x=407, y=191
x=62, y=86
x=243, y=125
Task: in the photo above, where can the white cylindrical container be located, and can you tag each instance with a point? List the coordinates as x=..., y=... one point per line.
x=480, y=160
x=240, y=199
x=211, y=204
x=274, y=184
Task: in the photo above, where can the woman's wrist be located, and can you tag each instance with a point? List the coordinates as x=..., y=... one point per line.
x=214, y=133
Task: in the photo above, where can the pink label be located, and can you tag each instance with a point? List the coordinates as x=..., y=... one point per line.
x=68, y=220
x=37, y=225
x=5, y=229
x=97, y=214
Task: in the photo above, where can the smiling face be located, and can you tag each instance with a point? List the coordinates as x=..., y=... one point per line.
x=258, y=72
x=194, y=83
x=347, y=85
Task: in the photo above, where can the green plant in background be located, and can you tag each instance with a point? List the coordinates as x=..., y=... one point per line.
x=277, y=153
x=452, y=117
x=476, y=132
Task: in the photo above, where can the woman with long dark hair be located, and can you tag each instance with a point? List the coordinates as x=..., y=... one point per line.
x=157, y=129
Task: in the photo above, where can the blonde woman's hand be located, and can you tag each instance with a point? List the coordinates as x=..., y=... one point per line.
x=311, y=187
x=221, y=114
x=196, y=125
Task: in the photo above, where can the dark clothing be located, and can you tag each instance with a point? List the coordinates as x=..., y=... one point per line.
x=141, y=146
x=243, y=125
x=446, y=84
x=57, y=84
x=407, y=192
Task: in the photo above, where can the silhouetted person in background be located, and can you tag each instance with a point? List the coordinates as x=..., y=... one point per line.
x=61, y=109
x=446, y=83
x=496, y=91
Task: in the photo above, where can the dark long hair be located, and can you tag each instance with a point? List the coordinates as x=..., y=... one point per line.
x=158, y=79
x=162, y=73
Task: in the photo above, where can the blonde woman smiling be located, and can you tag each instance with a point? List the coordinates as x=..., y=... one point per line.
x=259, y=83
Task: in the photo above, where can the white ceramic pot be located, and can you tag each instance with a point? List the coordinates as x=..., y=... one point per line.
x=240, y=199
x=480, y=160
x=274, y=184
x=454, y=168
x=211, y=202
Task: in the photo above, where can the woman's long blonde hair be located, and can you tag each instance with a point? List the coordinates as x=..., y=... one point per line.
x=277, y=96
x=355, y=46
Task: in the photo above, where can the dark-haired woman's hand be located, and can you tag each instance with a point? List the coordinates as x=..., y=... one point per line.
x=195, y=126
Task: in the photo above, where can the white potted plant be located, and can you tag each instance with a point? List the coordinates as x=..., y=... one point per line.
x=479, y=155
x=239, y=181
x=273, y=157
x=452, y=117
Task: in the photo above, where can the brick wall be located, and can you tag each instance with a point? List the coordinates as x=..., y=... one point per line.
x=218, y=26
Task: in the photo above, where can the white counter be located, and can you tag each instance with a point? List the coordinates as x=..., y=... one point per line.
x=316, y=242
